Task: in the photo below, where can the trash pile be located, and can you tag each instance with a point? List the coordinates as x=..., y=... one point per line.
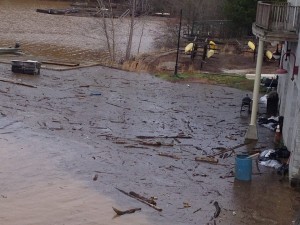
x=277, y=159
x=271, y=122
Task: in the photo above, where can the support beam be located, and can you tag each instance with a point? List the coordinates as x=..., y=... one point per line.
x=252, y=130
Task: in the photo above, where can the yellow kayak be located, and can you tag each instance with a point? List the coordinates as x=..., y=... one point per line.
x=189, y=48
x=251, y=45
x=269, y=54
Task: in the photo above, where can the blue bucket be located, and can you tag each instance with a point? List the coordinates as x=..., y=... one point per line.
x=243, y=168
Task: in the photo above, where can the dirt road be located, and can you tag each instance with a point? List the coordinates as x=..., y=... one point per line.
x=78, y=123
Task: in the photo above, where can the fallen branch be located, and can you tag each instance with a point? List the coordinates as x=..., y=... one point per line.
x=155, y=144
x=120, y=213
x=197, y=210
x=218, y=209
x=170, y=156
x=149, y=200
x=141, y=200
x=60, y=63
x=16, y=82
x=206, y=159
x=176, y=136
x=230, y=149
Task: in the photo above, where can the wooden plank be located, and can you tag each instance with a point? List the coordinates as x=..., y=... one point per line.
x=16, y=82
x=60, y=63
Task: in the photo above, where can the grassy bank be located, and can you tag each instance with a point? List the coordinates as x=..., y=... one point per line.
x=229, y=80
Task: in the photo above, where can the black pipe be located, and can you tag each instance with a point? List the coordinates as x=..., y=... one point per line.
x=176, y=64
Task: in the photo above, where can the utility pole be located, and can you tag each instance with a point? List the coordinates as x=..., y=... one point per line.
x=178, y=43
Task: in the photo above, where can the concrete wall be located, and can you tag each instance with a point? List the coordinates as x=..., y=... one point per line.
x=289, y=100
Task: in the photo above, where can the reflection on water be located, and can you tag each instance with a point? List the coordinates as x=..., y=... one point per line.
x=35, y=190
x=66, y=38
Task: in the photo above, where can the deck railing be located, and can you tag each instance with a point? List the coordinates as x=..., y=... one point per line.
x=278, y=16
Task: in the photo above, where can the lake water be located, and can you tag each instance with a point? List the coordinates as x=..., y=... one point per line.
x=69, y=38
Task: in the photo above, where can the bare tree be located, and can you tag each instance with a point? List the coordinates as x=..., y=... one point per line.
x=108, y=27
x=129, y=44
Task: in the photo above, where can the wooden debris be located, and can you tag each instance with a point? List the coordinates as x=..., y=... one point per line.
x=226, y=176
x=149, y=200
x=218, y=209
x=16, y=82
x=176, y=136
x=141, y=200
x=168, y=155
x=120, y=213
x=252, y=156
x=206, y=159
x=229, y=149
x=186, y=205
x=157, y=144
x=60, y=63
x=95, y=177
x=197, y=210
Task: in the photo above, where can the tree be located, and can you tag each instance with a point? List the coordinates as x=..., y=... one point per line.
x=108, y=27
x=241, y=13
x=129, y=43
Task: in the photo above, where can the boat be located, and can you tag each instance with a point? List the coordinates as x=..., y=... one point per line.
x=58, y=11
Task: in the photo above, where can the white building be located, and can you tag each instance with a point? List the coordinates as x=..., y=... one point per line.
x=280, y=23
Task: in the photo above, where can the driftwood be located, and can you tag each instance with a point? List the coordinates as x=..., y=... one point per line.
x=149, y=200
x=156, y=144
x=176, y=136
x=60, y=63
x=95, y=177
x=120, y=213
x=141, y=200
x=170, y=156
x=206, y=159
x=229, y=149
x=218, y=209
x=197, y=210
x=16, y=82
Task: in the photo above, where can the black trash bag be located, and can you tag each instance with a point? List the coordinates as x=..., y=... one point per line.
x=283, y=153
x=283, y=170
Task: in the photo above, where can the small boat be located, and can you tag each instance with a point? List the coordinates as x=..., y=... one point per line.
x=58, y=11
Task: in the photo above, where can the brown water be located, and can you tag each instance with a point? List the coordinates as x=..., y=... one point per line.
x=56, y=137
x=67, y=38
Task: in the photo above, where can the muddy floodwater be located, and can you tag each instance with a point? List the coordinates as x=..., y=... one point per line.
x=137, y=133
x=68, y=38
x=70, y=138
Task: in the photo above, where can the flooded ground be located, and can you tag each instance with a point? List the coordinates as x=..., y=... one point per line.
x=134, y=131
x=122, y=126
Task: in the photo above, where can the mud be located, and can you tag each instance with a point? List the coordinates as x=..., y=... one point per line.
x=79, y=123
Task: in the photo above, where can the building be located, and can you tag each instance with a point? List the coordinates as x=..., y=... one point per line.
x=279, y=23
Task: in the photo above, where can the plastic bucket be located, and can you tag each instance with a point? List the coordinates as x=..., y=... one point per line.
x=243, y=168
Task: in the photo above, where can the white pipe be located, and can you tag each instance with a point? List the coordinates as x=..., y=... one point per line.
x=259, y=61
x=252, y=129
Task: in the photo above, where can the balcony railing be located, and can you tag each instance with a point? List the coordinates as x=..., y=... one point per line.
x=278, y=16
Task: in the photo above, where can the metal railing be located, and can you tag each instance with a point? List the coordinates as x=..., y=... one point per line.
x=278, y=16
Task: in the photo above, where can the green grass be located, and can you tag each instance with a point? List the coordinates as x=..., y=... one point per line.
x=229, y=80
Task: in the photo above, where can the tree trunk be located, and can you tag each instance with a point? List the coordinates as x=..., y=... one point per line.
x=129, y=44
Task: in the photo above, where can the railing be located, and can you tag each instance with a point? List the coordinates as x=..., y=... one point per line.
x=278, y=16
